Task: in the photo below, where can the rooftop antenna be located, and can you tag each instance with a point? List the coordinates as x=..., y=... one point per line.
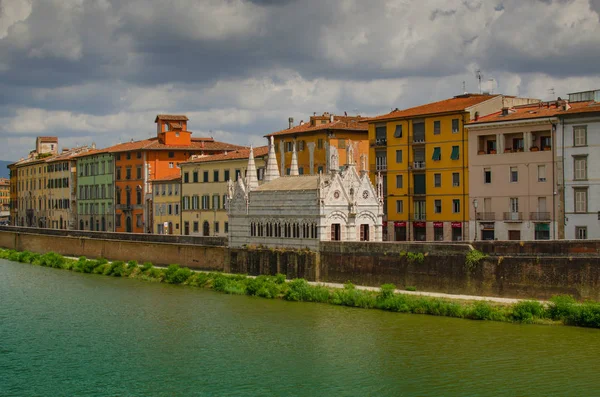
x=479, y=77
x=551, y=92
x=464, y=87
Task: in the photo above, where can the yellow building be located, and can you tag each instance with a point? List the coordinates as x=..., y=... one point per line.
x=204, y=189
x=315, y=139
x=166, y=198
x=4, y=199
x=422, y=155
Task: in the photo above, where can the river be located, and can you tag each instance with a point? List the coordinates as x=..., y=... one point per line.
x=71, y=334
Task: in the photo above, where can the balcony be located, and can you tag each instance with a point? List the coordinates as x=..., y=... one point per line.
x=418, y=165
x=513, y=216
x=418, y=216
x=381, y=167
x=418, y=139
x=378, y=142
x=539, y=216
x=486, y=216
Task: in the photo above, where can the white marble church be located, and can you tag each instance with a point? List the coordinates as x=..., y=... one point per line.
x=299, y=211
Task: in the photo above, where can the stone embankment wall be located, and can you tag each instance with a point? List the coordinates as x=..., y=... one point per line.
x=512, y=269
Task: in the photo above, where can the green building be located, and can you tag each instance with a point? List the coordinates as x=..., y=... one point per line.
x=95, y=191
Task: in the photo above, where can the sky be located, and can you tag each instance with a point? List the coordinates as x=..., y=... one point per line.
x=101, y=70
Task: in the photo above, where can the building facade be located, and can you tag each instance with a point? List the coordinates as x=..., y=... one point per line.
x=314, y=139
x=137, y=163
x=299, y=211
x=167, y=205
x=578, y=142
x=422, y=155
x=95, y=191
x=205, y=187
x=4, y=199
x=512, y=174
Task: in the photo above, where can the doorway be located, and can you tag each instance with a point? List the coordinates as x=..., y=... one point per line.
x=205, y=228
x=514, y=235
x=128, y=226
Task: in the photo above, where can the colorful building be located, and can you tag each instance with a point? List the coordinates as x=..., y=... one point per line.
x=512, y=173
x=205, y=187
x=421, y=153
x=167, y=204
x=578, y=143
x=95, y=191
x=61, y=189
x=4, y=199
x=137, y=163
x=315, y=140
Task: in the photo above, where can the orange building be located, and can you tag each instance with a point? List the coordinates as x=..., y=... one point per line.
x=315, y=140
x=138, y=163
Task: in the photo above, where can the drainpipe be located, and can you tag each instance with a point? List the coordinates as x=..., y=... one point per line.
x=464, y=200
x=564, y=188
x=411, y=155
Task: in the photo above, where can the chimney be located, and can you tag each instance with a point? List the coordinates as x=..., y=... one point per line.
x=301, y=122
x=505, y=111
x=331, y=118
x=291, y=122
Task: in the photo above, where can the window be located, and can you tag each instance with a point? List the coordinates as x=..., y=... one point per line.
x=399, y=181
x=301, y=145
x=118, y=156
x=436, y=127
x=118, y=220
x=438, y=233
x=514, y=204
x=196, y=227
x=398, y=131
x=171, y=165
x=437, y=154
x=320, y=169
x=364, y=232
x=455, y=179
x=138, y=196
x=139, y=155
x=226, y=175
x=545, y=142
x=186, y=202
x=514, y=174
x=194, y=177
x=170, y=209
x=398, y=156
x=205, y=176
x=342, y=144
x=437, y=180
x=128, y=173
x=238, y=173
x=128, y=155
x=195, y=202
x=336, y=230
x=399, y=206
x=581, y=232
x=216, y=202
x=456, y=206
x=186, y=177
x=581, y=200
x=170, y=189
x=437, y=206
x=455, y=153
x=216, y=176
x=288, y=146
x=542, y=173
x=580, y=135
x=171, y=155
x=487, y=175
x=226, y=227
x=454, y=126
x=139, y=220
x=176, y=209
x=518, y=144
x=320, y=144
x=205, y=202
x=300, y=170
x=138, y=172
x=216, y=227
x=580, y=168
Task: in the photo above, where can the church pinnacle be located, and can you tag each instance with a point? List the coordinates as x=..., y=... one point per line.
x=272, y=171
x=251, y=179
x=294, y=165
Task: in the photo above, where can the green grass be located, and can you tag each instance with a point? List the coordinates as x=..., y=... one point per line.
x=562, y=309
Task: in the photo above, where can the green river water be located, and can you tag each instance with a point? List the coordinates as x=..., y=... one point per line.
x=70, y=334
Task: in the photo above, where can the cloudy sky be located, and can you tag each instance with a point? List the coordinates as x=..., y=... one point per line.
x=100, y=70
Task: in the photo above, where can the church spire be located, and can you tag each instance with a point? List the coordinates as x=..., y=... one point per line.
x=294, y=165
x=272, y=171
x=251, y=179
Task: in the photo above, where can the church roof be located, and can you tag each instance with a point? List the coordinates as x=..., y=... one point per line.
x=300, y=182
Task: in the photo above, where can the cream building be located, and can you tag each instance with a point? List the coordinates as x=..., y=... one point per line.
x=299, y=211
x=166, y=198
x=204, y=189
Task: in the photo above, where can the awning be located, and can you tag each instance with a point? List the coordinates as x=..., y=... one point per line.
x=542, y=227
x=437, y=153
x=438, y=224
x=454, y=155
x=456, y=225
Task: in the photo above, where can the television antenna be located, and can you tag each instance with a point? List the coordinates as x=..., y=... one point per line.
x=479, y=76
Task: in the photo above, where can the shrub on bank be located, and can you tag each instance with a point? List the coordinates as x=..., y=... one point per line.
x=560, y=308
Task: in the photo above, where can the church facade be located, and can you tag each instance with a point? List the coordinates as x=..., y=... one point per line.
x=299, y=211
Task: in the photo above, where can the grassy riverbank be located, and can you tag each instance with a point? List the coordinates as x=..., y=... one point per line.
x=560, y=310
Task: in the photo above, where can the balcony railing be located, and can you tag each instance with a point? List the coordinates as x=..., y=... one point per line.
x=513, y=216
x=418, y=216
x=380, y=167
x=418, y=165
x=539, y=216
x=486, y=216
x=418, y=139
x=378, y=142
x=417, y=192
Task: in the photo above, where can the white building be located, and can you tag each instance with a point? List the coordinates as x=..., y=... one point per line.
x=299, y=211
x=578, y=144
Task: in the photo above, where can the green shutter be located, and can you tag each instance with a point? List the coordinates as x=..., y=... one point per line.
x=542, y=227
x=454, y=155
x=437, y=153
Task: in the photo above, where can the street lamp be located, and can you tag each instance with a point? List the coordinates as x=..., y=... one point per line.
x=475, y=205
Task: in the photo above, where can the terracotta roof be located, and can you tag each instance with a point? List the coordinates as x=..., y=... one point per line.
x=168, y=178
x=539, y=110
x=207, y=144
x=455, y=104
x=4, y=181
x=48, y=138
x=343, y=123
x=92, y=152
x=67, y=154
x=286, y=183
x=234, y=155
x=171, y=117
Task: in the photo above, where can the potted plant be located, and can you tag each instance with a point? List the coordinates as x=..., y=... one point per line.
x=547, y=148
x=508, y=150
x=519, y=149
x=534, y=149
x=493, y=151
x=481, y=152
